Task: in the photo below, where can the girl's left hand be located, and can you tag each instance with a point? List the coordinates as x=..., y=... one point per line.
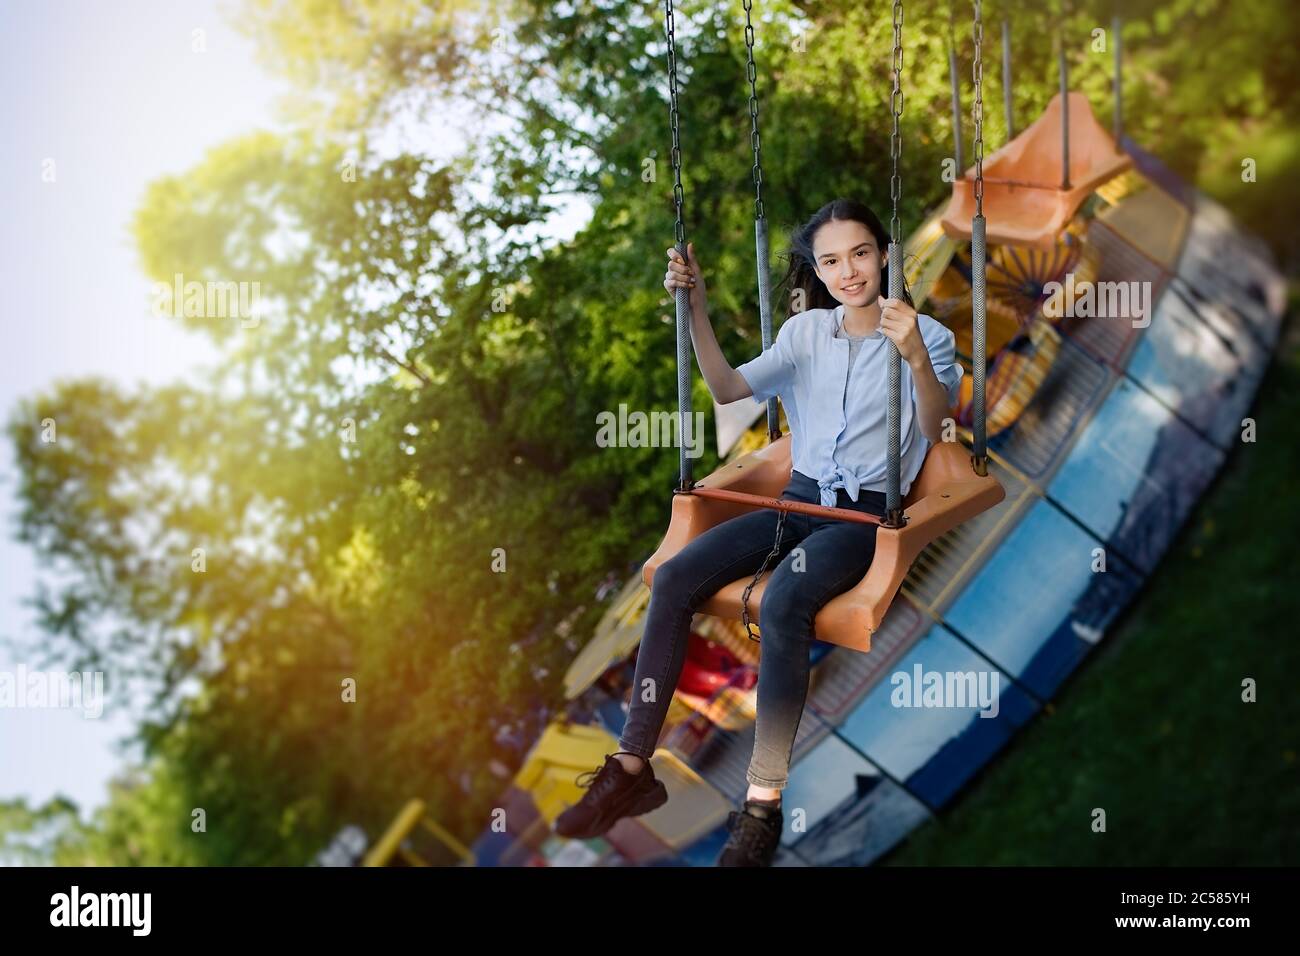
x=898, y=322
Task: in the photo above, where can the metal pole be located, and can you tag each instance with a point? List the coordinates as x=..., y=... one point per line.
x=979, y=344
x=760, y=219
x=1065, y=115
x=765, y=316
x=893, y=421
x=1119, y=97
x=684, y=415
x=684, y=411
x=1006, y=78
x=956, y=109
x=893, y=417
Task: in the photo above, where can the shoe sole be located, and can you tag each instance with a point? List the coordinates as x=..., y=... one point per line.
x=653, y=799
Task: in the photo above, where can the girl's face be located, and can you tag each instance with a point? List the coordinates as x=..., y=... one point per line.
x=849, y=262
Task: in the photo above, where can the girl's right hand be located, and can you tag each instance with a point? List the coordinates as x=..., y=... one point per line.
x=686, y=275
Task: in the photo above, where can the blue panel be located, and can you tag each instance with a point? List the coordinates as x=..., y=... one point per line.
x=936, y=749
x=1225, y=265
x=1207, y=374
x=852, y=812
x=1037, y=607
x=1134, y=474
x=611, y=716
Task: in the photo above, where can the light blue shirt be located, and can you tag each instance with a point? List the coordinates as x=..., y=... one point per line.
x=837, y=423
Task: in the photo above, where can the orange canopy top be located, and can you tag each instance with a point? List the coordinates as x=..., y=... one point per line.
x=1025, y=202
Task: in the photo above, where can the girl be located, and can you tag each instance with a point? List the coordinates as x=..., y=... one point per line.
x=828, y=366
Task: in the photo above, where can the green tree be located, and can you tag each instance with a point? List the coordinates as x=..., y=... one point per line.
x=421, y=386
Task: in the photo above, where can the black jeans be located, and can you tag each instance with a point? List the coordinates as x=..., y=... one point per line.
x=819, y=559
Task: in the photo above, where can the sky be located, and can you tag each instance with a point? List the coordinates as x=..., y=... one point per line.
x=115, y=95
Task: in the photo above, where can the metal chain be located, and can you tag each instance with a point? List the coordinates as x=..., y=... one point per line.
x=681, y=295
x=894, y=517
x=752, y=72
x=761, y=248
x=896, y=104
x=678, y=196
x=775, y=552
x=978, y=110
x=978, y=260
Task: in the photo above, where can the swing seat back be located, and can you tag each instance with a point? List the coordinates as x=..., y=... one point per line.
x=945, y=493
x=1024, y=201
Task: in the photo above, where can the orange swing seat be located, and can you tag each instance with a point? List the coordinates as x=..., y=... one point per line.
x=1026, y=202
x=945, y=493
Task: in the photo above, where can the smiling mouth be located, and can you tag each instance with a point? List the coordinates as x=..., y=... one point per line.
x=854, y=288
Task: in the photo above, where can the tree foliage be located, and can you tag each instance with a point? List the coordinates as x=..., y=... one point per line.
x=422, y=384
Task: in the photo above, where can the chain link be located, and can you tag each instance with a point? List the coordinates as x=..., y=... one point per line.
x=978, y=110
x=679, y=229
x=896, y=105
x=774, y=553
x=752, y=73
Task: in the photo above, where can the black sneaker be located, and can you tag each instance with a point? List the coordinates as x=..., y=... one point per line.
x=755, y=835
x=612, y=793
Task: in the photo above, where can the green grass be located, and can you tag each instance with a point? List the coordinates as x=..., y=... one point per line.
x=1152, y=727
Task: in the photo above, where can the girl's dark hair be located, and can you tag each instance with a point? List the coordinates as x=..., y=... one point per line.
x=802, y=273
